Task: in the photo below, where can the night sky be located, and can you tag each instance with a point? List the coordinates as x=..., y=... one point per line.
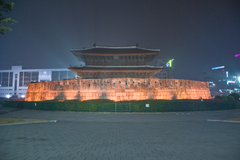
x=198, y=34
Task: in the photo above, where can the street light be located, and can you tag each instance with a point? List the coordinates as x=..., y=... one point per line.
x=8, y=96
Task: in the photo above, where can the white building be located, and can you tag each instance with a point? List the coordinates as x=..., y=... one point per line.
x=14, y=82
x=167, y=72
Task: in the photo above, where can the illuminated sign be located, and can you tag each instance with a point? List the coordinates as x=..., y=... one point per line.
x=169, y=63
x=237, y=55
x=226, y=73
x=219, y=67
x=231, y=82
x=44, y=76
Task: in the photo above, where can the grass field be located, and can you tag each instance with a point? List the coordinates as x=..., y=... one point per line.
x=231, y=119
x=13, y=120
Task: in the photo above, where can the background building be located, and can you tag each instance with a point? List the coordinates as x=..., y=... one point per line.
x=14, y=82
x=223, y=80
x=166, y=73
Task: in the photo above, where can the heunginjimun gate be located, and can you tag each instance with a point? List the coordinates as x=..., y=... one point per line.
x=119, y=74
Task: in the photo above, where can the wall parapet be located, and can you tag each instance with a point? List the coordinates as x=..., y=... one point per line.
x=118, y=89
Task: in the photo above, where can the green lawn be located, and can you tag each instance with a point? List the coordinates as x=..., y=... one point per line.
x=13, y=120
x=231, y=119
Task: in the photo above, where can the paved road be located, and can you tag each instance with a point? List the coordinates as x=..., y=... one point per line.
x=96, y=136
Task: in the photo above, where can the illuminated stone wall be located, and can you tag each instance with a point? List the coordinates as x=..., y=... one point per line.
x=118, y=89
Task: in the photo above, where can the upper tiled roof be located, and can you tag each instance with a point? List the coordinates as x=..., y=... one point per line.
x=115, y=50
x=90, y=67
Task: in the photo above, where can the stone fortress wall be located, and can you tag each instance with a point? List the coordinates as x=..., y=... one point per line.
x=118, y=89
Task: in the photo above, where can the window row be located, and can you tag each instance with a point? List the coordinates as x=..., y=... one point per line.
x=6, y=79
x=27, y=77
x=61, y=75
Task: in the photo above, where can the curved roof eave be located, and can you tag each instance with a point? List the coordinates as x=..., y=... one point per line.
x=112, y=48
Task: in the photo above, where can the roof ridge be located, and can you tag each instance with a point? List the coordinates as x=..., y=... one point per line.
x=115, y=47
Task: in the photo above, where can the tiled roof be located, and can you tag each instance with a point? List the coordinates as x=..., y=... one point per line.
x=110, y=50
x=115, y=67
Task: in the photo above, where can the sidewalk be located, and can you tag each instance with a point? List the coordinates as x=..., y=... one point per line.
x=110, y=136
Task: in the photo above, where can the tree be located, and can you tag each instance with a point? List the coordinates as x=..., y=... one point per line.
x=5, y=7
x=236, y=96
x=218, y=97
x=224, y=98
x=231, y=98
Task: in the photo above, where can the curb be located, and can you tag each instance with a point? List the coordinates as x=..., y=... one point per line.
x=10, y=124
x=212, y=120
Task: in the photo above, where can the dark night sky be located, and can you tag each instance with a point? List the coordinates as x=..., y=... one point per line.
x=198, y=34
